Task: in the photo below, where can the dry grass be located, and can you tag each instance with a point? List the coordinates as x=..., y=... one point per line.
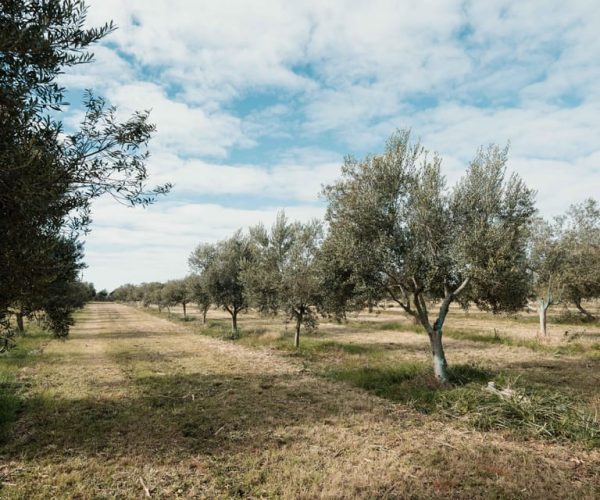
x=132, y=399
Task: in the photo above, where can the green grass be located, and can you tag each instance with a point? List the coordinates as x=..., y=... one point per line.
x=386, y=325
x=412, y=383
x=531, y=412
x=539, y=413
x=537, y=410
x=532, y=344
x=23, y=354
x=569, y=349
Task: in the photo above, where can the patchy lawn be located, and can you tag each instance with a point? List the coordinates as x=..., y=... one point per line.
x=134, y=403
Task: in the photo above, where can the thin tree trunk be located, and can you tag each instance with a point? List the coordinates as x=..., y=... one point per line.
x=184, y=311
x=542, y=309
x=20, y=325
x=587, y=314
x=421, y=315
x=234, y=328
x=204, y=316
x=440, y=365
x=297, y=334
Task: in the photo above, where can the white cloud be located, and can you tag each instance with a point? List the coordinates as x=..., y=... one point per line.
x=153, y=244
x=332, y=78
x=107, y=69
x=182, y=128
x=295, y=178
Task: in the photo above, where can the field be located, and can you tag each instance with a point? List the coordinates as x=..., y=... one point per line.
x=139, y=404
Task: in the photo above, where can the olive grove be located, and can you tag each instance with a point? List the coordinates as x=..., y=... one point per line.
x=395, y=231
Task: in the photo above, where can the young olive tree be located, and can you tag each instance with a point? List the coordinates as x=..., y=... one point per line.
x=547, y=262
x=565, y=259
x=422, y=241
x=220, y=266
x=284, y=273
x=151, y=294
x=198, y=294
x=128, y=293
x=176, y=292
x=580, y=242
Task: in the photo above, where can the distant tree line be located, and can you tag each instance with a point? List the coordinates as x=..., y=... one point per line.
x=396, y=231
x=49, y=175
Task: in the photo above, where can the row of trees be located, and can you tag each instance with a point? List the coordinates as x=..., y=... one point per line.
x=273, y=271
x=49, y=175
x=396, y=231
x=166, y=295
x=565, y=259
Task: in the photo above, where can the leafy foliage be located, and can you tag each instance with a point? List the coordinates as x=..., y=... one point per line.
x=404, y=233
x=283, y=274
x=220, y=267
x=49, y=176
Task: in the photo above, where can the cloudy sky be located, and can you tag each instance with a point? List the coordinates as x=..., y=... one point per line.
x=257, y=102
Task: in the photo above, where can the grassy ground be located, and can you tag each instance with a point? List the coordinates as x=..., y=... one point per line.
x=543, y=376
x=134, y=403
x=13, y=365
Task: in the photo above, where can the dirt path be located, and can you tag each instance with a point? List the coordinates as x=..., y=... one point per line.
x=133, y=403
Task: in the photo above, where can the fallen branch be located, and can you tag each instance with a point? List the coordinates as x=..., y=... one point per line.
x=146, y=490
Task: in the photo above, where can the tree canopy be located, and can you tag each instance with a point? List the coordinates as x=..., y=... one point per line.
x=405, y=231
x=49, y=175
x=220, y=266
x=284, y=272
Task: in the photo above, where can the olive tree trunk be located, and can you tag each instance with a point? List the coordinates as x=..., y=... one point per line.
x=297, y=333
x=20, y=324
x=184, y=310
x=440, y=365
x=587, y=314
x=542, y=311
x=234, y=327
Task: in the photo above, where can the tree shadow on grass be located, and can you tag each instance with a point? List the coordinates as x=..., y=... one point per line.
x=174, y=416
x=125, y=334
x=581, y=375
x=409, y=382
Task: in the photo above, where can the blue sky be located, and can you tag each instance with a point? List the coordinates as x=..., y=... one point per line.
x=256, y=104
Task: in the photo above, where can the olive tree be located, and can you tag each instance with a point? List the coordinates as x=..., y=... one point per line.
x=221, y=265
x=151, y=294
x=565, y=259
x=49, y=176
x=347, y=284
x=547, y=263
x=128, y=293
x=284, y=274
x=423, y=241
x=198, y=294
x=176, y=292
x=580, y=242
